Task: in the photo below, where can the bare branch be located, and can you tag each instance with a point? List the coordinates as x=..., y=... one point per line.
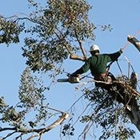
x=8, y=135
x=33, y=136
x=39, y=132
x=90, y=123
x=7, y=128
x=57, y=122
x=75, y=57
x=80, y=44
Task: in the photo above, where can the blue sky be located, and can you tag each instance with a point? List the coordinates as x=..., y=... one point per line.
x=122, y=15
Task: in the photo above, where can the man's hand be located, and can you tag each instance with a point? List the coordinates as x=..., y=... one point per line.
x=74, y=79
x=122, y=50
x=130, y=38
x=75, y=75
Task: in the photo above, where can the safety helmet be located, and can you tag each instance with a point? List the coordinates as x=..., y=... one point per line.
x=94, y=48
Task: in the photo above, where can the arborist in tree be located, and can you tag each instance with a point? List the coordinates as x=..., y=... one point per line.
x=97, y=63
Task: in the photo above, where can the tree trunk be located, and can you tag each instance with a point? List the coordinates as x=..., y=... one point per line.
x=127, y=95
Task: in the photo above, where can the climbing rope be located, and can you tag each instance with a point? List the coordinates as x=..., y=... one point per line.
x=119, y=67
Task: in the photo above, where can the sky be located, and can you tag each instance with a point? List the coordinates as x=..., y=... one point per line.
x=124, y=18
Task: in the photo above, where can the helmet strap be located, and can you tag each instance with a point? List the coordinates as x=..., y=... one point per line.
x=96, y=52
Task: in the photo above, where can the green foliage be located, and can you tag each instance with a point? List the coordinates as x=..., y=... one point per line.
x=32, y=98
x=30, y=91
x=101, y=112
x=124, y=133
x=9, y=31
x=68, y=130
x=57, y=28
x=31, y=103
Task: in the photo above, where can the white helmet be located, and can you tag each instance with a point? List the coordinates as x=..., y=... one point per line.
x=94, y=48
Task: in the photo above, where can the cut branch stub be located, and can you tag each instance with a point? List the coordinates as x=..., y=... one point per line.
x=134, y=41
x=75, y=57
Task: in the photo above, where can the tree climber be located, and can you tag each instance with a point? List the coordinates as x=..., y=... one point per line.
x=97, y=64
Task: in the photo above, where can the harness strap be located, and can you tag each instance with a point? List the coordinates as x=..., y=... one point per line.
x=104, y=76
x=108, y=67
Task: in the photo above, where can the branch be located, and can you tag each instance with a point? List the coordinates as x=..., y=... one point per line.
x=57, y=122
x=75, y=57
x=63, y=38
x=8, y=135
x=90, y=123
x=33, y=136
x=128, y=87
x=80, y=44
x=72, y=56
x=63, y=117
x=39, y=132
x=8, y=128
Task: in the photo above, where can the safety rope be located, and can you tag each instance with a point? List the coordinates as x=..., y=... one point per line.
x=109, y=65
x=125, y=46
x=119, y=67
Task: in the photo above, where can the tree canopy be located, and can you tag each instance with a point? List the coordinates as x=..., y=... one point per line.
x=57, y=31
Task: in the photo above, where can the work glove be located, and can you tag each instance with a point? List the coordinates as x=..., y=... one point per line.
x=122, y=50
x=130, y=38
x=74, y=78
x=74, y=75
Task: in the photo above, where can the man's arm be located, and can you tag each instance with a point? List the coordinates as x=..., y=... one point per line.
x=114, y=56
x=82, y=70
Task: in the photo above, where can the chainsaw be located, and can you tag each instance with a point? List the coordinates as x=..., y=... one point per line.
x=70, y=79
